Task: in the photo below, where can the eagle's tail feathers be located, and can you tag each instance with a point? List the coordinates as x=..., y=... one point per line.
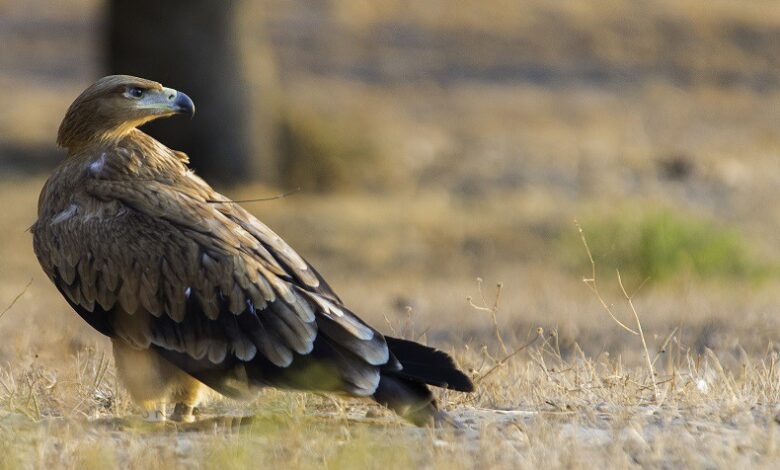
x=428, y=365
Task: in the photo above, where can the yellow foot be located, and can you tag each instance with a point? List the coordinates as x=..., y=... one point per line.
x=183, y=413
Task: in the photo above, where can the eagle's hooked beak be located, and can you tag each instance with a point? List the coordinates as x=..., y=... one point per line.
x=182, y=104
x=167, y=101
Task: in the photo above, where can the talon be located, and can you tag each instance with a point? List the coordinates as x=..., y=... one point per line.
x=154, y=416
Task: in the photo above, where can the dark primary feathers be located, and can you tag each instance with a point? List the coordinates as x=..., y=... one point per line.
x=129, y=236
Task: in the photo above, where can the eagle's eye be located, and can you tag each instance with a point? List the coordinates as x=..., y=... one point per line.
x=135, y=92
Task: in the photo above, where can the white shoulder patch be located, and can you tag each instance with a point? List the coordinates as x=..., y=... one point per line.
x=66, y=214
x=96, y=166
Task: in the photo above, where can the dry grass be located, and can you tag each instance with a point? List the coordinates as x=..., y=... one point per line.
x=578, y=395
x=539, y=408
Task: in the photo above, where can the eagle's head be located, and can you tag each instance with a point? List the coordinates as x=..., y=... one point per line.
x=114, y=105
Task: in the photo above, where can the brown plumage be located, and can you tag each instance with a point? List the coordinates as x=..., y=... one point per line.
x=190, y=287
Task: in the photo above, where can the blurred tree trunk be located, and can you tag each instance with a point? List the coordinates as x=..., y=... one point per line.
x=190, y=45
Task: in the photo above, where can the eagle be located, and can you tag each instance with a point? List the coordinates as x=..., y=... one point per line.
x=194, y=292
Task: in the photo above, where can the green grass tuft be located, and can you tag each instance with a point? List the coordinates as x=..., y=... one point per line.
x=663, y=245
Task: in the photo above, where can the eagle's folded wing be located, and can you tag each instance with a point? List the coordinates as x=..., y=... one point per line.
x=207, y=285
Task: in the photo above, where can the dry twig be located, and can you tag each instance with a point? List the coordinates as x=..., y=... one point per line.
x=16, y=299
x=591, y=283
x=650, y=369
x=502, y=361
x=493, y=310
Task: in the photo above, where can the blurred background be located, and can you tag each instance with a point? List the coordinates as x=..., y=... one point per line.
x=436, y=142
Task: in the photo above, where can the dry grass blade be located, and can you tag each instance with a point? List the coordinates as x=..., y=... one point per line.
x=650, y=369
x=629, y=299
x=665, y=344
x=257, y=199
x=16, y=299
x=504, y=360
x=591, y=282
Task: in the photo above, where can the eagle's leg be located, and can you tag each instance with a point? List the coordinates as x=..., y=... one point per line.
x=149, y=378
x=183, y=413
x=187, y=395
